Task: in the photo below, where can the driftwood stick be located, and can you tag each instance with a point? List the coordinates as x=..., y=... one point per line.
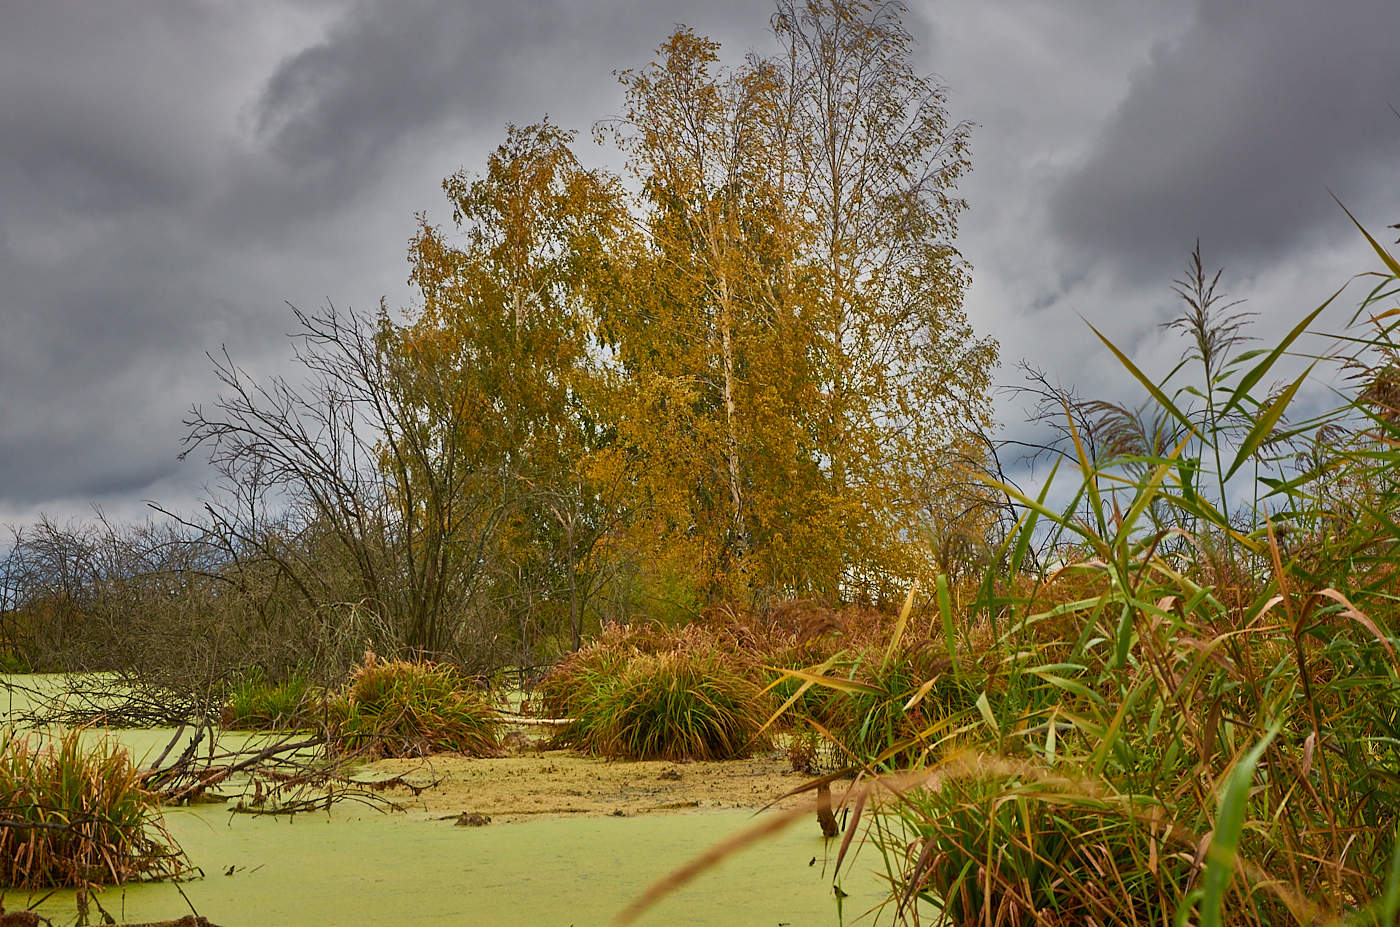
x=546, y=722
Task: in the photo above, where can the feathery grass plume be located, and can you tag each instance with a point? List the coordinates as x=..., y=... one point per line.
x=398, y=708
x=73, y=813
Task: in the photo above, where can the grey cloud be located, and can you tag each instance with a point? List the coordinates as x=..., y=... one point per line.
x=95, y=368
x=168, y=176
x=1235, y=132
x=170, y=173
x=390, y=70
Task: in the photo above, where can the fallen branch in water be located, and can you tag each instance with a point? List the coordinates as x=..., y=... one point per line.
x=291, y=774
x=105, y=701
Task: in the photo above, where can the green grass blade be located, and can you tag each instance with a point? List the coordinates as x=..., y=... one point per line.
x=1385, y=256
x=1390, y=898
x=945, y=610
x=1229, y=823
x=1037, y=506
x=1147, y=383
x=1149, y=491
x=984, y=708
x=1023, y=540
x=1264, y=424
x=1256, y=373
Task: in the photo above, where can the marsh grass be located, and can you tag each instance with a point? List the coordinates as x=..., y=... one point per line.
x=256, y=704
x=1221, y=723
x=73, y=813
x=677, y=696
x=568, y=686
x=896, y=718
x=721, y=674
x=396, y=708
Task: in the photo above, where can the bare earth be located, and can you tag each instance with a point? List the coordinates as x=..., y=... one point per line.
x=563, y=782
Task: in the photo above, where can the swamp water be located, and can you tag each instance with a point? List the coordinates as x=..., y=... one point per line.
x=357, y=866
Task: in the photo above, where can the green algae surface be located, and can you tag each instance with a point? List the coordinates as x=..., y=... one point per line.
x=375, y=869
x=356, y=866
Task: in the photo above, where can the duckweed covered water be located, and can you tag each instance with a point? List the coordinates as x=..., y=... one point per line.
x=376, y=869
x=362, y=867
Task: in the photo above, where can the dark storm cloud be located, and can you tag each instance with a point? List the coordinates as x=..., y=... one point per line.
x=170, y=174
x=1235, y=132
x=389, y=70
x=102, y=147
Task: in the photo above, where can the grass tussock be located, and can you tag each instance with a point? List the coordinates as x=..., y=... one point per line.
x=565, y=690
x=647, y=690
x=643, y=694
x=254, y=703
x=75, y=814
x=396, y=708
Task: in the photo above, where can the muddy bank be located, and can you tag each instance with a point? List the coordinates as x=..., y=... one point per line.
x=532, y=784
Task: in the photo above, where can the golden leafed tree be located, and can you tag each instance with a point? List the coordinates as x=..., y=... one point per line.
x=505, y=313
x=903, y=377
x=714, y=364
x=796, y=360
x=751, y=364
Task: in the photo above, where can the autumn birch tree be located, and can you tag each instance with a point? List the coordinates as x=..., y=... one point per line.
x=697, y=340
x=800, y=301
x=505, y=310
x=903, y=376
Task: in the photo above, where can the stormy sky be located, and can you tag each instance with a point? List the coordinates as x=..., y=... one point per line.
x=172, y=173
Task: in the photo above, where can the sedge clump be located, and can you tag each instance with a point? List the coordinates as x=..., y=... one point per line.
x=692, y=702
x=397, y=708
x=76, y=814
x=255, y=703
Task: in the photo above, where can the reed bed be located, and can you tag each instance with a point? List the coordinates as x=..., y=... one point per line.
x=74, y=813
x=1202, y=702
x=1193, y=716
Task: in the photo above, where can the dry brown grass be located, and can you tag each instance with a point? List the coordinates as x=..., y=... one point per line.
x=73, y=813
x=396, y=708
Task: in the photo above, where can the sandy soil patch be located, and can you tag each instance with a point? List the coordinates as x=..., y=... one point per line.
x=565, y=782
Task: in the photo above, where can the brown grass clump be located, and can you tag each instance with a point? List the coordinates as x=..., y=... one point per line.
x=563, y=690
x=75, y=814
x=394, y=708
x=652, y=693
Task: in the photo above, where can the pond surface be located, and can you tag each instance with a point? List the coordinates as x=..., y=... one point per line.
x=379, y=869
x=359, y=866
